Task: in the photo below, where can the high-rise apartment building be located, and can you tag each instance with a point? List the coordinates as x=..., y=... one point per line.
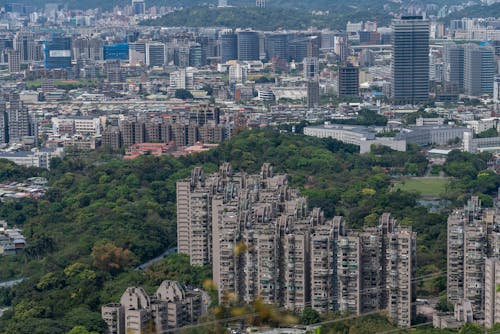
x=18, y=120
x=401, y=273
x=313, y=96
x=491, y=294
x=472, y=237
x=194, y=216
x=410, y=60
x=14, y=61
x=479, y=70
x=264, y=242
x=24, y=42
x=237, y=74
x=88, y=48
x=341, y=47
x=4, y=130
x=496, y=89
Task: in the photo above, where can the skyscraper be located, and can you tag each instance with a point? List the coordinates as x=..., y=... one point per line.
x=472, y=238
x=272, y=247
x=479, y=70
x=88, y=48
x=410, y=60
x=228, y=46
x=348, y=80
x=311, y=68
x=313, y=98
x=248, y=45
x=137, y=53
x=138, y=7
x=155, y=54
x=453, y=59
x=24, y=42
x=276, y=46
x=18, y=120
x=14, y=61
x=491, y=295
x=496, y=89
x=196, y=58
x=4, y=130
x=57, y=52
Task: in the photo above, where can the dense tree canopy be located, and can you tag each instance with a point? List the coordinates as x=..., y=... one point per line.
x=103, y=216
x=273, y=18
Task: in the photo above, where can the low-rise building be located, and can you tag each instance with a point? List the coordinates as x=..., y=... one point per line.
x=12, y=240
x=171, y=307
x=429, y=135
x=35, y=158
x=361, y=136
x=475, y=145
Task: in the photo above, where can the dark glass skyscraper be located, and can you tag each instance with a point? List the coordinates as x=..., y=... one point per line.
x=277, y=46
x=228, y=46
x=453, y=59
x=248, y=45
x=479, y=70
x=348, y=80
x=138, y=7
x=410, y=60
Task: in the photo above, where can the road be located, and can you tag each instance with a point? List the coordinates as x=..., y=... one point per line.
x=8, y=284
x=166, y=253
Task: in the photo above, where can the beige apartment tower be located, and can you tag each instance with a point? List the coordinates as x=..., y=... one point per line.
x=264, y=243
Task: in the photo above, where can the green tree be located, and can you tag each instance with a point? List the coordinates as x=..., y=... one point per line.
x=183, y=94
x=444, y=305
x=208, y=88
x=471, y=328
x=110, y=258
x=487, y=133
x=80, y=330
x=309, y=316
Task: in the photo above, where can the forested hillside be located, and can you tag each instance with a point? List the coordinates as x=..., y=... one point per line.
x=103, y=216
x=271, y=18
x=312, y=4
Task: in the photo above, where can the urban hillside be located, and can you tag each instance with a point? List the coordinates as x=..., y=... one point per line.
x=102, y=217
x=272, y=18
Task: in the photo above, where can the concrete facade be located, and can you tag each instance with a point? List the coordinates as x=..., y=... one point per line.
x=265, y=243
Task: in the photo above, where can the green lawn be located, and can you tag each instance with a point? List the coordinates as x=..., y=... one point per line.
x=430, y=186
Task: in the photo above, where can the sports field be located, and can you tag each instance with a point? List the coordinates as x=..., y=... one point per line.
x=430, y=186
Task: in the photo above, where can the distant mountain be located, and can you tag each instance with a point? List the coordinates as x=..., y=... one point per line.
x=298, y=4
x=477, y=11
